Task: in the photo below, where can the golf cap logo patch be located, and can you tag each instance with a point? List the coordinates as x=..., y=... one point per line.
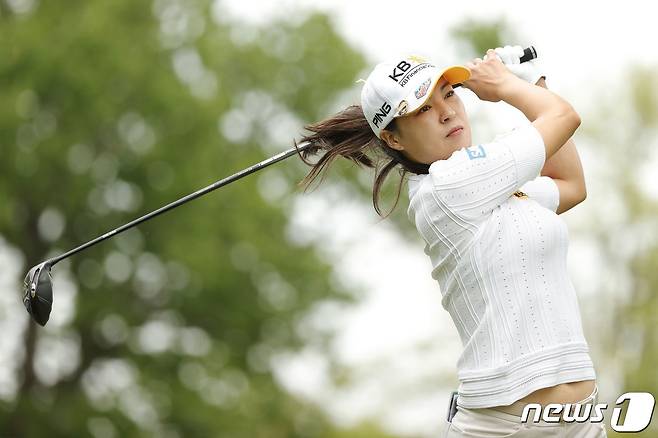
x=422, y=90
x=402, y=108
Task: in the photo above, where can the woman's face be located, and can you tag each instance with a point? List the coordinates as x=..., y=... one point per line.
x=423, y=135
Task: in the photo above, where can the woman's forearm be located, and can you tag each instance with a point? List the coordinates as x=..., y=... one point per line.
x=555, y=119
x=565, y=169
x=565, y=163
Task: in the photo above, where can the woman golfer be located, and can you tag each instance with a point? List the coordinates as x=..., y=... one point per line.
x=488, y=214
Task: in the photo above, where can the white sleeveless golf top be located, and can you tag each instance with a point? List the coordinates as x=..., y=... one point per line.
x=500, y=258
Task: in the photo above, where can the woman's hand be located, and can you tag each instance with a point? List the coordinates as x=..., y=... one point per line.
x=511, y=57
x=552, y=116
x=489, y=77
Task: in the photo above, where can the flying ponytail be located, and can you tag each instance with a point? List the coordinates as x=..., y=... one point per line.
x=348, y=135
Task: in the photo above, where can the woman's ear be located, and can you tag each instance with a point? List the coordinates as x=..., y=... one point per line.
x=392, y=140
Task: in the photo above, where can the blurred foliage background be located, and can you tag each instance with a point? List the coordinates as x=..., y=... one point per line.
x=113, y=109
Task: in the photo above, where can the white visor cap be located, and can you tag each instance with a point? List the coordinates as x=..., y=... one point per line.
x=398, y=87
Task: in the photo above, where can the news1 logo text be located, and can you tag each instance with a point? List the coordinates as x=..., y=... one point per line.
x=638, y=412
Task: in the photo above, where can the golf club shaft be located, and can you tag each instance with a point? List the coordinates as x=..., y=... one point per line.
x=529, y=53
x=198, y=193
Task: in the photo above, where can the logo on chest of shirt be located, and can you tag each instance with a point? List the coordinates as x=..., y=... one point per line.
x=475, y=152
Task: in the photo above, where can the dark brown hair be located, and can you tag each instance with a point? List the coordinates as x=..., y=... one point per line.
x=348, y=134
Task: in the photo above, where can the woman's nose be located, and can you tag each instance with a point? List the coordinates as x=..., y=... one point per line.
x=446, y=112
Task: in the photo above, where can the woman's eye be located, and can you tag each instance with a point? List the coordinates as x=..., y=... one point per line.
x=424, y=108
x=450, y=93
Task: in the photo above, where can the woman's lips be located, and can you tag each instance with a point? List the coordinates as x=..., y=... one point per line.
x=455, y=133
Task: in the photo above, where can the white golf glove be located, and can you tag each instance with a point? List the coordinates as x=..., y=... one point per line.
x=511, y=56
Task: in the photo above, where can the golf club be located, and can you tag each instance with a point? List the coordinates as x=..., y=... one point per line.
x=38, y=287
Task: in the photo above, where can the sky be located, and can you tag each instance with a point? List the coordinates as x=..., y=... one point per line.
x=576, y=42
x=581, y=48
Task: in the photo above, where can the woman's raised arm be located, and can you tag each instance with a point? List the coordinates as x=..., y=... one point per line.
x=554, y=118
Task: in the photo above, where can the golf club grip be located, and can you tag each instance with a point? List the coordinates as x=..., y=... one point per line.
x=528, y=54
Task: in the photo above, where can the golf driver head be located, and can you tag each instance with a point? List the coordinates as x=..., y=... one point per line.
x=38, y=292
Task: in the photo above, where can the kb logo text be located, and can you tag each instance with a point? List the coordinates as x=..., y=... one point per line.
x=399, y=70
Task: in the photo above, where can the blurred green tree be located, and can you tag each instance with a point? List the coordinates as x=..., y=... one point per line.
x=112, y=109
x=623, y=225
x=474, y=36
